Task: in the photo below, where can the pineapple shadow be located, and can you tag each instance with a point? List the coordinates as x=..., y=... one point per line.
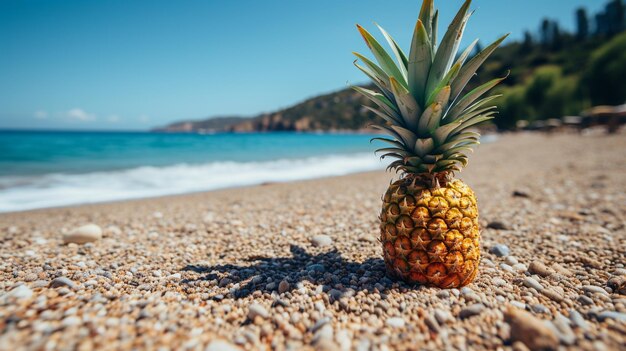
x=328, y=269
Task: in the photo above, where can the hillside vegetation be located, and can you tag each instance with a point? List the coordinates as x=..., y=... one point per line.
x=552, y=73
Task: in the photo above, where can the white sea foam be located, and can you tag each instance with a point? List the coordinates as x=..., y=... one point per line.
x=50, y=190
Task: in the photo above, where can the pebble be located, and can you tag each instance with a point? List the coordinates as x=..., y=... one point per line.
x=590, y=262
x=71, y=321
x=530, y=330
x=321, y=240
x=617, y=284
x=432, y=323
x=40, y=284
x=532, y=283
x=320, y=323
x=499, y=250
x=317, y=267
x=443, y=317
x=256, y=310
x=594, y=289
x=577, y=320
x=499, y=281
x=511, y=260
x=62, y=282
x=443, y=294
x=498, y=225
x=518, y=304
x=561, y=270
x=471, y=310
x=466, y=291
x=564, y=331
x=520, y=193
x=469, y=294
x=395, y=322
x=324, y=334
x=18, y=293
x=585, y=300
x=520, y=267
x=618, y=316
x=335, y=294
x=283, y=286
x=344, y=340
x=552, y=294
x=539, y=308
x=84, y=234
x=221, y=345
x=539, y=269
x=224, y=282
x=506, y=267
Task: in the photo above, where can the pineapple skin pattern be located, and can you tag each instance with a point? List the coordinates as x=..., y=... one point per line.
x=429, y=220
x=430, y=235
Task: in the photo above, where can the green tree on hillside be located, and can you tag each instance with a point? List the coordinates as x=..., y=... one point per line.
x=605, y=76
x=582, y=24
x=545, y=94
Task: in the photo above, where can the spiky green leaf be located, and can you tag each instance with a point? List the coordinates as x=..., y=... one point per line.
x=389, y=141
x=467, y=52
x=430, y=117
x=400, y=55
x=379, y=99
x=389, y=118
x=406, y=103
x=406, y=136
x=380, y=74
x=435, y=91
x=435, y=30
x=426, y=15
x=383, y=58
x=469, y=69
x=471, y=122
x=420, y=60
x=449, y=45
x=395, y=150
x=468, y=99
x=424, y=146
x=380, y=84
x=389, y=131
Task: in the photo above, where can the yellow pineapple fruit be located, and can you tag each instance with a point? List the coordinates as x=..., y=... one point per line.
x=429, y=220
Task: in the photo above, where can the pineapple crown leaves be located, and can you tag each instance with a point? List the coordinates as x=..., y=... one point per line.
x=420, y=96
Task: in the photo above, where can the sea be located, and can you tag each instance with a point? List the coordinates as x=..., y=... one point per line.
x=40, y=169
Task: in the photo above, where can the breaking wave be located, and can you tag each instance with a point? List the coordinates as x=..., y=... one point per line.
x=58, y=189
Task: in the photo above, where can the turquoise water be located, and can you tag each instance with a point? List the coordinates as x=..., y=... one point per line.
x=27, y=153
x=44, y=169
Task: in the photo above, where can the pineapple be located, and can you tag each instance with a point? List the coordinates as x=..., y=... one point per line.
x=429, y=220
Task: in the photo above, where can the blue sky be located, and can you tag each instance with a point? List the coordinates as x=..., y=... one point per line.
x=121, y=64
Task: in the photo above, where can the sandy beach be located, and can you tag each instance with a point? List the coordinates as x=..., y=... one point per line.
x=298, y=265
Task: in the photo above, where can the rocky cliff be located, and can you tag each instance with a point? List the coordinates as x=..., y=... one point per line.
x=341, y=110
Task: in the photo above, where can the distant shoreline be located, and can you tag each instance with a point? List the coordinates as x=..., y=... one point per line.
x=42, y=130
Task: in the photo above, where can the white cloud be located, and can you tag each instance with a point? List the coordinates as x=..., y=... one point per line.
x=79, y=114
x=144, y=118
x=113, y=118
x=41, y=114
